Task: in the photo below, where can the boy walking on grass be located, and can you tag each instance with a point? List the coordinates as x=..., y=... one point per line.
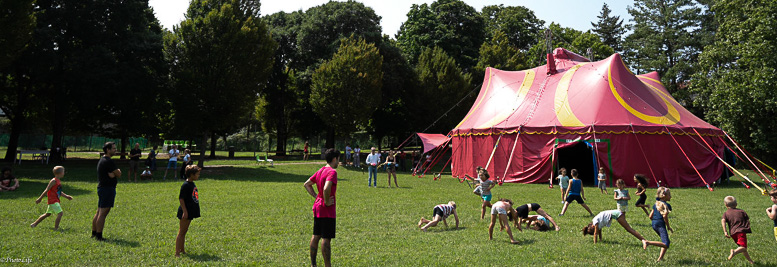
x=738, y=227
x=53, y=191
x=325, y=180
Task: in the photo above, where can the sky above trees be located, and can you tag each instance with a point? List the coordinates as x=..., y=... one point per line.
x=575, y=14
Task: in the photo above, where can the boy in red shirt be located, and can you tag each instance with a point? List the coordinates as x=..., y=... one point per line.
x=53, y=191
x=325, y=180
x=739, y=226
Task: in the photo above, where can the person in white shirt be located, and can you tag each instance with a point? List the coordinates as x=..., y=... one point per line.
x=356, y=160
x=372, y=166
x=173, y=162
x=348, y=151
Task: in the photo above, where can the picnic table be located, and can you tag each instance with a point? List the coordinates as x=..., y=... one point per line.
x=36, y=155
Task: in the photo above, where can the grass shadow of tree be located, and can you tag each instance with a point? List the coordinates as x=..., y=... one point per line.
x=203, y=257
x=237, y=173
x=32, y=189
x=122, y=242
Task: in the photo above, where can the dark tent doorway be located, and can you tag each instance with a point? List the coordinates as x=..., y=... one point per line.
x=578, y=156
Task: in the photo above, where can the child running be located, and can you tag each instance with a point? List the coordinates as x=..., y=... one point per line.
x=189, y=209
x=622, y=196
x=440, y=213
x=739, y=226
x=641, y=185
x=499, y=210
x=52, y=192
x=485, y=190
x=659, y=217
x=602, y=179
x=772, y=211
x=543, y=222
x=563, y=183
x=575, y=192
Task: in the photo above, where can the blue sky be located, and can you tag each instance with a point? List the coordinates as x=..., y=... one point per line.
x=577, y=14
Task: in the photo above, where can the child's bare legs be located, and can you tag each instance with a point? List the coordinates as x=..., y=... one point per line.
x=542, y=213
x=40, y=219
x=56, y=222
x=326, y=249
x=422, y=222
x=625, y=224
x=562, y=194
x=742, y=250
x=395, y=179
x=587, y=208
x=504, y=221
x=644, y=208
x=564, y=209
x=491, y=227
x=181, y=238
x=483, y=208
x=434, y=222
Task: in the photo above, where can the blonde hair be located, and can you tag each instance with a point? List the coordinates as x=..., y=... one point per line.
x=58, y=170
x=620, y=182
x=452, y=203
x=662, y=192
x=730, y=202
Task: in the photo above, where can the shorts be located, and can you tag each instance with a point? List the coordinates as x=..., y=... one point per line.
x=495, y=211
x=478, y=190
x=133, y=165
x=106, y=196
x=324, y=227
x=740, y=239
x=624, y=208
x=486, y=197
x=172, y=164
x=54, y=208
x=523, y=210
x=603, y=185
x=641, y=200
x=775, y=232
x=348, y=156
x=438, y=212
x=660, y=229
x=575, y=198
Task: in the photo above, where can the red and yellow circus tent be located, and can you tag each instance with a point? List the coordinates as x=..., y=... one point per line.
x=630, y=122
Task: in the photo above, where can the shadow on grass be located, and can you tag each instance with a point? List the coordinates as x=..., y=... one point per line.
x=32, y=189
x=252, y=174
x=202, y=257
x=122, y=242
x=696, y=262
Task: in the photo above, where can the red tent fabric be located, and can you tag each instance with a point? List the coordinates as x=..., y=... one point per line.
x=632, y=123
x=431, y=141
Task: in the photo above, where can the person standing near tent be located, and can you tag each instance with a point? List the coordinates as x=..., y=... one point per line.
x=391, y=167
x=641, y=185
x=173, y=161
x=306, y=151
x=356, y=157
x=485, y=190
x=348, y=151
x=622, y=196
x=563, y=183
x=372, y=166
x=602, y=179
x=575, y=192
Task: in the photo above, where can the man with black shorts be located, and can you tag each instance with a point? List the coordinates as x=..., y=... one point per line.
x=108, y=174
x=325, y=180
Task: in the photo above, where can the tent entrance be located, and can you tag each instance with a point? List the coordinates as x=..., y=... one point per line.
x=578, y=156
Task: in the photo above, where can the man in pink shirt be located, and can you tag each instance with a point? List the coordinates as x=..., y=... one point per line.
x=325, y=180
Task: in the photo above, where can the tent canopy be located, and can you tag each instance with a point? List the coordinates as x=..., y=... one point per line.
x=632, y=122
x=432, y=141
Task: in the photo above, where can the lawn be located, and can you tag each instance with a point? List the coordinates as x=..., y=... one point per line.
x=259, y=215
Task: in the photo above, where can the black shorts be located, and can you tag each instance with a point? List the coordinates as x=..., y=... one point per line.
x=438, y=211
x=324, y=227
x=575, y=198
x=641, y=200
x=106, y=197
x=523, y=210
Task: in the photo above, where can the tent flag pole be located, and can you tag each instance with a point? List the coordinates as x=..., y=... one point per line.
x=644, y=155
x=689, y=159
x=744, y=153
x=596, y=153
x=763, y=192
x=510, y=159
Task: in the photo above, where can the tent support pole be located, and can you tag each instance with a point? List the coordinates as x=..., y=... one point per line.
x=686, y=157
x=644, y=155
x=510, y=159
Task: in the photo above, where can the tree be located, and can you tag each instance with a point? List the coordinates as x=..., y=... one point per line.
x=609, y=28
x=220, y=59
x=499, y=53
x=519, y=24
x=735, y=84
x=661, y=40
x=345, y=90
x=399, y=80
x=572, y=40
x=452, y=25
x=442, y=84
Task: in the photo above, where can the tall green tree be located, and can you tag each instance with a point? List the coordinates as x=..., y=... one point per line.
x=452, y=25
x=570, y=39
x=609, y=28
x=399, y=81
x=662, y=40
x=440, y=81
x=499, y=53
x=346, y=89
x=735, y=84
x=221, y=57
x=521, y=27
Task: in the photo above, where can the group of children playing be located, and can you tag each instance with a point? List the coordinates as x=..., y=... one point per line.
x=188, y=198
x=735, y=222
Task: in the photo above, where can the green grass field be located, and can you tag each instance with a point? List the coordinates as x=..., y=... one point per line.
x=261, y=215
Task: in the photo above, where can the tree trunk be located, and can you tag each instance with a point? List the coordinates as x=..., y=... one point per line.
x=280, y=148
x=17, y=124
x=330, y=137
x=226, y=147
x=201, y=161
x=123, y=144
x=213, y=139
x=58, y=125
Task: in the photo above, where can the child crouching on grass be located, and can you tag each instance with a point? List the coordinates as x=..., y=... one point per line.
x=502, y=210
x=53, y=191
x=739, y=226
x=189, y=209
x=440, y=213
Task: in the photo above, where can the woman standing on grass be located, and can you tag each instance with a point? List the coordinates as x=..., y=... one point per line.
x=189, y=209
x=391, y=167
